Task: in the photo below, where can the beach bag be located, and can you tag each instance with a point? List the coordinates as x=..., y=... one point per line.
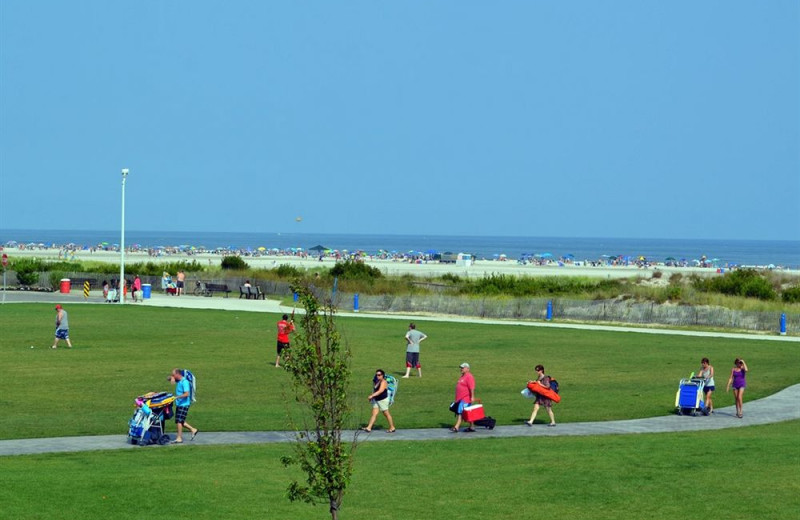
x=553, y=384
x=391, y=387
x=454, y=406
x=192, y=384
x=487, y=422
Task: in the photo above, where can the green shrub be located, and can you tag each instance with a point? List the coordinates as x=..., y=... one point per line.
x=674, y=293
x=450, y=277
x=351, y=270
x=791, y=295
x=234, y=263
x=286, y=271
x=157, y=269
x=27, y=270
x=657, y=274
x=55, y=279
x=545, y=286
x=744, y=282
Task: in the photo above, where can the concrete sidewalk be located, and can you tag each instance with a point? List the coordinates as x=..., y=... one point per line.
x=274, y=306
x=782, y=406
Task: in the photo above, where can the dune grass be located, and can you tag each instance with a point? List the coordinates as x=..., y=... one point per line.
x=121, y=352
x=737, y=473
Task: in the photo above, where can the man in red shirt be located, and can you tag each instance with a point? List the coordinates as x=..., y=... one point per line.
x=465, y=394
x=285, y=327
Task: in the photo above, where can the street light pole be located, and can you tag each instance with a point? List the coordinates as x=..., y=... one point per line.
x=121, y=284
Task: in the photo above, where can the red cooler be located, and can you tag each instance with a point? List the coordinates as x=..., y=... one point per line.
x=473, y=412
x=65, y=286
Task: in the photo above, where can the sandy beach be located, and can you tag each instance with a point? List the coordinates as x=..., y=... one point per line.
x=390, y=267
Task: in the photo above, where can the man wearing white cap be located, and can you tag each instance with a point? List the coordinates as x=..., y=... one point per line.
x=465, y=394
x=62, y=327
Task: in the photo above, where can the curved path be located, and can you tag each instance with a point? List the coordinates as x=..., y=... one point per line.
x=779, y=407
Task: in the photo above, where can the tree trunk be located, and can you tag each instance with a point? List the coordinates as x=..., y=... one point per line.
x=334, y=511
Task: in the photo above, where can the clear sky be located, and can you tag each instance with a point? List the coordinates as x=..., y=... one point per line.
x=533, y=118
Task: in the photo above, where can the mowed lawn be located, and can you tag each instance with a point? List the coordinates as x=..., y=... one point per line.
x=121, y=352
x=741, y=473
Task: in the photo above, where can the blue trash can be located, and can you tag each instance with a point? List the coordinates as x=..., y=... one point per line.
x=146, y=288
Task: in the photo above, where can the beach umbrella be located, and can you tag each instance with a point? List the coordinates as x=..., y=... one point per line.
x=546, y=255
x=318, y=248
x=569, y=255
x=670, y=259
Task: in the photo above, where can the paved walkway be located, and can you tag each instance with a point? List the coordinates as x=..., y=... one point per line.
x=783, y=406
x=273, y=306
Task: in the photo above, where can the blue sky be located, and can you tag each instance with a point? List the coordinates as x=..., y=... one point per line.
x=532, y=118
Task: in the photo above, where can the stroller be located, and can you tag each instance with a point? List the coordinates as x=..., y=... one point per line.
x=147, y=424
x=689, y=399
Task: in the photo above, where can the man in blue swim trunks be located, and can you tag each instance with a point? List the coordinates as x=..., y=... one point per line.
x=182, y=403
x=62, y=327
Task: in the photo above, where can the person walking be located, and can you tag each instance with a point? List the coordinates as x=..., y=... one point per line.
x=62, y=327
x=136, y=286
x=707, y=374
x=183, y=401
x=544, y=381
x=413, y=338
x=738, y=380
x=379, y=398
x=285, y=327
x=465, y=394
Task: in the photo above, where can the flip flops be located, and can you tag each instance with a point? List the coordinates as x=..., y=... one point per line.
x=194, y=435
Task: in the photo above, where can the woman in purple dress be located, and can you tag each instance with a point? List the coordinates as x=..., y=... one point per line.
x=739, y=382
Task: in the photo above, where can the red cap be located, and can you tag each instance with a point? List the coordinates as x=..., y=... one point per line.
x=58, y=306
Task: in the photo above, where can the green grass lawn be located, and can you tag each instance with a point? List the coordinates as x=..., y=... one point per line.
x=739, y=473
x=125, y=351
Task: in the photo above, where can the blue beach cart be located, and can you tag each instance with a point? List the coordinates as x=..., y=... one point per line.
x=689, y=399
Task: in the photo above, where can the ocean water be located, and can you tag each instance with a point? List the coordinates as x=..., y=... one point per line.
x=784, y=253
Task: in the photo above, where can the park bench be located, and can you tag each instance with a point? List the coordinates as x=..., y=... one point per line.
x=211, y=288
x=77, y=283
x=251, y=293
x=255, y=293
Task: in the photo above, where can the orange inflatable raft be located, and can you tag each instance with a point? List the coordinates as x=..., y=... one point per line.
x=537, y=388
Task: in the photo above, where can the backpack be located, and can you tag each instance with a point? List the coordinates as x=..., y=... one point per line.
x=192, y=384
x=391, y=387
x=553, y=384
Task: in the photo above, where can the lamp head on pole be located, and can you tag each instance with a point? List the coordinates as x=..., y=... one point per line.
x=124, y=172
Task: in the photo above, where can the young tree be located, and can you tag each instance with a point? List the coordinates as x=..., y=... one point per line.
x=320, y=369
